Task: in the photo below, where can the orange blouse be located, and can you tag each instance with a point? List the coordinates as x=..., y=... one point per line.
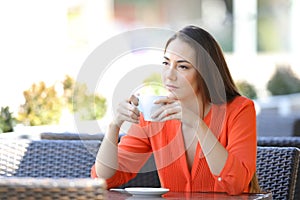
x=233, y=124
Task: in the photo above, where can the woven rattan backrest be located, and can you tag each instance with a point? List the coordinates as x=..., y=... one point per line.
x=283, y=142
x=279, y=141
x=45, y=158
x=277, y=170
x=60, y=159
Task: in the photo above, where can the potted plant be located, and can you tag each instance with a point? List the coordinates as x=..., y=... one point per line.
x=7, y=121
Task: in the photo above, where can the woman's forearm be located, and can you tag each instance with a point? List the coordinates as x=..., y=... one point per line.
x=215, y=154
x=107, y=156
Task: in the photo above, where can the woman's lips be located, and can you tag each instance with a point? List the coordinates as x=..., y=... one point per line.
x=171, y=87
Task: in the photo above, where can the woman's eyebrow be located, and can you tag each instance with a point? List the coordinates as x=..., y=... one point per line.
x=166, y=58
x=181, y=61
x=178, y=61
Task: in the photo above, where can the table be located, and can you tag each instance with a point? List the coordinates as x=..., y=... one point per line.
x=26, y=188
x=112, y=195
x=19, y=188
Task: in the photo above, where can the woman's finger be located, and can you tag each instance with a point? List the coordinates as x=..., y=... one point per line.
x=166, y=107
x=167, y=111
x=129, y=110
x=133, y=100
x=123, y=117
x=164, y=100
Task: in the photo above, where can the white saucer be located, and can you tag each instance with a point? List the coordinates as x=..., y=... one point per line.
x=146, y=191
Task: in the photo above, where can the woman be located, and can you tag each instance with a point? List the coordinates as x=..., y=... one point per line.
x=205, y=140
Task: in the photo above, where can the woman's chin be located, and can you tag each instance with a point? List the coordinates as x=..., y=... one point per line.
x=172, y=95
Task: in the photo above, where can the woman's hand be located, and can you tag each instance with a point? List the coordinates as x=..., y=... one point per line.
x=127, y=111
x=173, y=109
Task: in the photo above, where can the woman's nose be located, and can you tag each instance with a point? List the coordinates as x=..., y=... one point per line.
x=170, y=73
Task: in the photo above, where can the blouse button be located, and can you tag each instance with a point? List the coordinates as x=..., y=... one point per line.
x=219, y=179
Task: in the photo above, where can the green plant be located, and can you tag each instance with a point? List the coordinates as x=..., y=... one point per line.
x=246, y=89
x=80, y=101
x=284, y=81
x=42, y=106
x=7, y=121
x=153, y=84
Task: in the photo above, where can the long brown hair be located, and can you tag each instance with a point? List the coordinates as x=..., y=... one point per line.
x=254, y=185
x=214, y=78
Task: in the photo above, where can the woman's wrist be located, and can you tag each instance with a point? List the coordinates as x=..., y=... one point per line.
x=112, y=133
x=114, y=125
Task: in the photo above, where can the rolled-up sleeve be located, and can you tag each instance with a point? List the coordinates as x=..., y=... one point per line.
x=241, y=146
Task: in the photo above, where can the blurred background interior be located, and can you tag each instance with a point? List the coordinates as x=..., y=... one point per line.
x=43, y=44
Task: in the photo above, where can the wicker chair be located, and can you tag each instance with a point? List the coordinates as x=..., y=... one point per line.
x=296, y=128
x=59, y=159
x=47, y=169
x=45, y=158
x=277, y=170
x=283, y=142
x=71, y=136
x=279, y=141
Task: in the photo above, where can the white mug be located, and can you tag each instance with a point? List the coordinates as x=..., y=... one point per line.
x=147, y=105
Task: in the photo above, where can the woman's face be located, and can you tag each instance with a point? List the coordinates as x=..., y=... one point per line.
x=179, y=75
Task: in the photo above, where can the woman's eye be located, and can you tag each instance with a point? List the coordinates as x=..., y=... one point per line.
x=183, y=67
x=165, y=63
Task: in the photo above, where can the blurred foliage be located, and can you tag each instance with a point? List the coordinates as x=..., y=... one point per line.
x=267, y=37
x=7, y=121
x=273, y=27
x=78, y=100
x=246, y=89
x=43, y=106
x=284, y=81
x=153, y=85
